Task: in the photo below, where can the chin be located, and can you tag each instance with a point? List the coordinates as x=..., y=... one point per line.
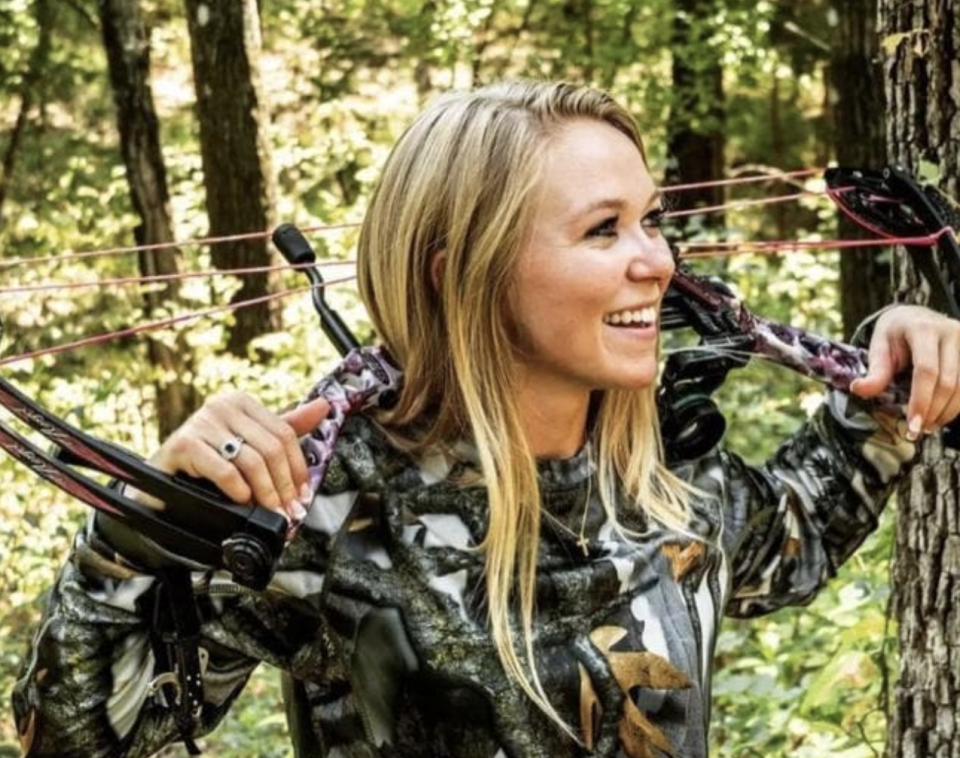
x=636, y=381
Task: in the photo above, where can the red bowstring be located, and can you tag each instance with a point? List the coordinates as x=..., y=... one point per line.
x=689, y=251
x=773, y=247
x=130, y=331
x=734, y=204
x=169, y=277
x=744, y=180
x=124, y=250
x=13, y=263
x=714, y=248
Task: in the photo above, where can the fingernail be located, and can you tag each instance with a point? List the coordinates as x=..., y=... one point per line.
x=296, y=510
x=306, y=494
x=915, y=428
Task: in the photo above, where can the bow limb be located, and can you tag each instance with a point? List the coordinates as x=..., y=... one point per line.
x=197, y=524
x=892, y=203
x=194, y=524
x=201, y=553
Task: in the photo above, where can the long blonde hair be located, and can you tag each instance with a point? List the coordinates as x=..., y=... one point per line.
x=462, y=181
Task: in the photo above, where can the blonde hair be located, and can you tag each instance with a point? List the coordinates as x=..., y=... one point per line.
x=462, y=181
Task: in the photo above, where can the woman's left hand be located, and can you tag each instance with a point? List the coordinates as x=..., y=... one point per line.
x=912, y=336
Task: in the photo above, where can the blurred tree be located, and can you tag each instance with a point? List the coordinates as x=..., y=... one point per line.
x=225, y=45
x=856, y=104
x=697, y=115
x=128, y=54
x=921, y=43
x=30, y=82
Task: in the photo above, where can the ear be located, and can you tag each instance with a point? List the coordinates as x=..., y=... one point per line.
x=437, y=262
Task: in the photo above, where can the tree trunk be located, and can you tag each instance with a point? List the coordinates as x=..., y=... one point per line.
x=921, y=41
x=697, y=118
x=125, y=41
x=225, y=46
x=857, y=105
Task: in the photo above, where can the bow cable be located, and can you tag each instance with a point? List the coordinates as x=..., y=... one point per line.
x=154, y=278
x=771, y=176
x=151, y=326
x=736, y=204
x=160, y=246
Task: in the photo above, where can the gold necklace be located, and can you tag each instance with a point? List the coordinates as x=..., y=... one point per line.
x=582, y=542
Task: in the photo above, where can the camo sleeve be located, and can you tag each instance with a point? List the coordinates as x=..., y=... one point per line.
x=87, y=685
x=789, y=525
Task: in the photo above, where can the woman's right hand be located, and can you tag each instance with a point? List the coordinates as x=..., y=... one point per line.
x=268, y=469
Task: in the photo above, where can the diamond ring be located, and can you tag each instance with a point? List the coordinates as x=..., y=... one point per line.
x=230, y=449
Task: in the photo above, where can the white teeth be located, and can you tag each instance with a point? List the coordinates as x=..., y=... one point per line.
x=646, y=315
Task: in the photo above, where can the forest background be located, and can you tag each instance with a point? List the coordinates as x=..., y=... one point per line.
x=721, y=88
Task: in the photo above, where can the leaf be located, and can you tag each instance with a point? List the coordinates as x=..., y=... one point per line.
x=929, y=172
x=639, y=737
x=847, y=670
x=891, y=42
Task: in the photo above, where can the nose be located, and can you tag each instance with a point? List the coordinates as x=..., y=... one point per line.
x=652, y=260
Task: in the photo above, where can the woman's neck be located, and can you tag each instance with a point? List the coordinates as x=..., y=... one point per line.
x=554, y=422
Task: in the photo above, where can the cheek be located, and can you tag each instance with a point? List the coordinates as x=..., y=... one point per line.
x=554, y=303
x=552, y=324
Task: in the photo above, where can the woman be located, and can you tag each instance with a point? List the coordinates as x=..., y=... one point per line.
x=499, y=563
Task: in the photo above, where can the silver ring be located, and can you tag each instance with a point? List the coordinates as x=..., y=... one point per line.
x=230, y=449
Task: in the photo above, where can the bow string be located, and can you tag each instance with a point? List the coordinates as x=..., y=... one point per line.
x=201, y=528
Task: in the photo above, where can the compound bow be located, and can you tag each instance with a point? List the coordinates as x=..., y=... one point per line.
x=198, y=528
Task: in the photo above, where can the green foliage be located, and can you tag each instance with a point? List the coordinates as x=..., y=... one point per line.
x=344, y=78
x=810, y=682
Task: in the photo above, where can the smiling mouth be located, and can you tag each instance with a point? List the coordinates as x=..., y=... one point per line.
x=637, y=317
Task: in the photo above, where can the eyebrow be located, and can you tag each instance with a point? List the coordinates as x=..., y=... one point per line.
x=616, y=203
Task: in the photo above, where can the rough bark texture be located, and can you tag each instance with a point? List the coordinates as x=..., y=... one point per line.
x=225, y=46
x=697, y=116
x=922, y=49
x=857, y=84
x=125, y=41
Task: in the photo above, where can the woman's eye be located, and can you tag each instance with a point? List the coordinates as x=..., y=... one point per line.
x=654, y=219
x=606, y=228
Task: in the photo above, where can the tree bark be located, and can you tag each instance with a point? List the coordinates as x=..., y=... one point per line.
x=857, y=108
x=225, y=47
x=921, y=40
x=125, y=41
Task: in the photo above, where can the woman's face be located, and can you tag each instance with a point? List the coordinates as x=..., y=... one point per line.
x=590, y=278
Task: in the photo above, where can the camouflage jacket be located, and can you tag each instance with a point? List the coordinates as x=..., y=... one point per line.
x=376, y=614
